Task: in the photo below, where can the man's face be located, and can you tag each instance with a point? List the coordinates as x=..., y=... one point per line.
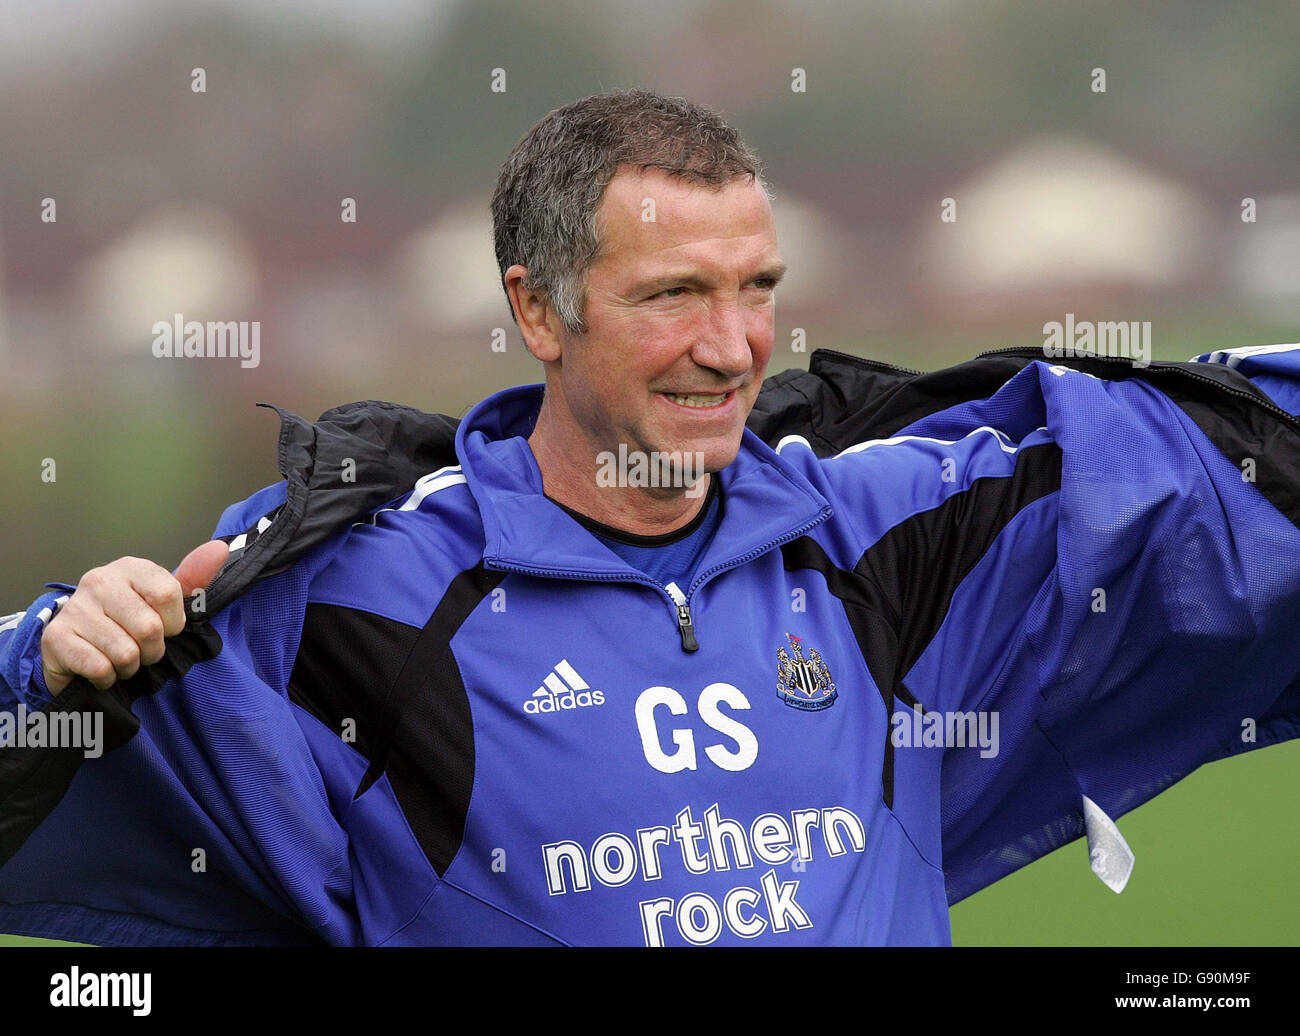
x=679, y=316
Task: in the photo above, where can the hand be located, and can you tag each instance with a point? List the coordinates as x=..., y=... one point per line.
x=120, y=614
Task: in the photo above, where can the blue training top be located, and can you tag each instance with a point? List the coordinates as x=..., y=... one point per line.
x=466, y=720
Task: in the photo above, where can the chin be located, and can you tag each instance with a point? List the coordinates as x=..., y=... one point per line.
x=718, y=450
x=717, y=457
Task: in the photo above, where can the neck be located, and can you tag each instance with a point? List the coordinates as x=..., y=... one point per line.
x=570, y=477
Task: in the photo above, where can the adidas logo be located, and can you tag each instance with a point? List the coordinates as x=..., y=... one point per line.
x=563, y=689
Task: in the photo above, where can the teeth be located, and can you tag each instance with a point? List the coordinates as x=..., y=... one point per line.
x=700, y=401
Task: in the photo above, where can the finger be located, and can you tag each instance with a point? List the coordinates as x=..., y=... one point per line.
x=162, y=595
x=55, y=666
x=101, y=632
x=201, y=565
x=139, y=618
x=147, y=628
x=117, y=586
x=76, y=656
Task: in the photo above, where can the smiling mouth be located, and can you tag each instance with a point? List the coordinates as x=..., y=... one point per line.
x=697, y=401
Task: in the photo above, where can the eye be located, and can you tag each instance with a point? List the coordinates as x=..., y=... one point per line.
x=766, y=283
x=669, y=293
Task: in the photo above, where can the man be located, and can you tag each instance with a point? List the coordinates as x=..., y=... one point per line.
x=625, y=674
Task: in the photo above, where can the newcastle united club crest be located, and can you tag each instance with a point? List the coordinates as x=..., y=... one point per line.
x=803, y=683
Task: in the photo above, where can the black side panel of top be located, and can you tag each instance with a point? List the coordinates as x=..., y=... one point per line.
x=403, y=692
x=897, y=595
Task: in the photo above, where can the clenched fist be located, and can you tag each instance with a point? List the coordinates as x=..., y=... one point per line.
x=119, y=616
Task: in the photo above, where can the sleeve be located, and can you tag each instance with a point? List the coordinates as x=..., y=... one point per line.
x=20, y=647
x=1111, y=582
x=185, y=806
x=244, y=515
x=1274, y=369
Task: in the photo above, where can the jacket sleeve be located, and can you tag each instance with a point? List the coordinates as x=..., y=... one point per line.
x=183, y=807
x=1106, y=564
x=1274, y=369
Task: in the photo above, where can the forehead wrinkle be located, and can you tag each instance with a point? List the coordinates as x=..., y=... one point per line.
x=625, y=195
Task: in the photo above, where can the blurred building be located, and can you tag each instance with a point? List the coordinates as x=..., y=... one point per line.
x=193, y=259
x=445, y=276
x=1266, y=266
x=1062, y=217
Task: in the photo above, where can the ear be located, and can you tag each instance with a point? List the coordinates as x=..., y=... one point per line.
x=538, y=322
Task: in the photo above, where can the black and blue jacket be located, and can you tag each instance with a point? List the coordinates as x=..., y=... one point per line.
x=421, y=704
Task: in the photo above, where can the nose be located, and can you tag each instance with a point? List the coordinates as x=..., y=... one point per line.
x=724, y=344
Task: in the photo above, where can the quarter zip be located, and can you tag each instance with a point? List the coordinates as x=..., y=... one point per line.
x=684, y=624
x=684, y=606
x=520, y=525
x=680, y=602
x=681, y=609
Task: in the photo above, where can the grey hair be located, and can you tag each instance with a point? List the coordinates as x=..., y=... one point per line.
x=550, y=186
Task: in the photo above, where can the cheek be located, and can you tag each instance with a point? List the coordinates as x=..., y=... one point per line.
x=761, y=332
x=607, y=387
x=651, y=348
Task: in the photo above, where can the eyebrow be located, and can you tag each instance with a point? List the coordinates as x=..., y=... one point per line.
x=689, y=278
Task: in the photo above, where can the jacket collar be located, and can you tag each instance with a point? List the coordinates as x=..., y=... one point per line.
x=766, y=501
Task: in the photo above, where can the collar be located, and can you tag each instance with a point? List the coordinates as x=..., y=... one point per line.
x=768, y=501
x=631, y=539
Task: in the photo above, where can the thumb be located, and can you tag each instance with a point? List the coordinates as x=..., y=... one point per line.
x=201, y=565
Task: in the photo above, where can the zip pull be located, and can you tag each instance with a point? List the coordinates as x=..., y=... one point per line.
x=684, y=625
